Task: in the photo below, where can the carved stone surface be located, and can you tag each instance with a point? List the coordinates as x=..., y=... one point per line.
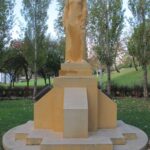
x=74, y=21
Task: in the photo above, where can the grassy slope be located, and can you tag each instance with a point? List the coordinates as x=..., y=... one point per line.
x=128, y=76
x=132, y=111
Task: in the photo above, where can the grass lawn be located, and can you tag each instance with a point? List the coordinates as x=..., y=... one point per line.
x=135, y=112
x=13, y=113
x=132, y=111
x=127, y=76
x=40, y=82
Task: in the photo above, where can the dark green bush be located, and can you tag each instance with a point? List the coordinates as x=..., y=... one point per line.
x=125, y=91
x=6, y=92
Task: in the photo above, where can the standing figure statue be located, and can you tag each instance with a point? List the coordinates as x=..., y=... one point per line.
x=74, y=22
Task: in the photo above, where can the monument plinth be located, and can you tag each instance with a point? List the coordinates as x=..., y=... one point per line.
x=75, y=69
x=75, y=114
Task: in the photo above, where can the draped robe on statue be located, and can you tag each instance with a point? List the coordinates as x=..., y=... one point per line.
x=75, y=13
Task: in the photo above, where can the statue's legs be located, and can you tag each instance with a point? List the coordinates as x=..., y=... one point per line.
x=74, y=43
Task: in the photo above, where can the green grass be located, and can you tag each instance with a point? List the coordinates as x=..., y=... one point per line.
x=40, y=82
x=133, y=111
x=127, y=77
x=13, y=113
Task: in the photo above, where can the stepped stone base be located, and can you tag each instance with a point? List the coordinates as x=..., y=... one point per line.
x=75, y=69
x=123, y=137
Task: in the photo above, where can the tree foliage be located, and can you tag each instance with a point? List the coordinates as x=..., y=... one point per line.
x=6, y=22
x=138, y=44
x=140, y=49
x=13, y=63
x=35, y=13
x=104, y=30
x=58, y=22
x=55, y=56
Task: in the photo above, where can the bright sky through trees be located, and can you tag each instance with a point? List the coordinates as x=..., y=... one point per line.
x=52, y=13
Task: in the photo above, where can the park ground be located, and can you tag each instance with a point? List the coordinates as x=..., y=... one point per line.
x=131, y=110
x=127, y=77
x=134, y=111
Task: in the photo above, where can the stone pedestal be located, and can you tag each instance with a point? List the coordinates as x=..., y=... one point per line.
x=102, y=112
x=75, y=115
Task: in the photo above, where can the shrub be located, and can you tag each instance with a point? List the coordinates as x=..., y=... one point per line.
x=17, y=92
x=124, y=91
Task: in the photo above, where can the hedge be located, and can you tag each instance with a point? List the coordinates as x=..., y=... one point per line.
x=17, y=92
x=125, y=91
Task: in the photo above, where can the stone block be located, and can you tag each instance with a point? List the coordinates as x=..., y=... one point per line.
x=48, y=111
x=75, y=69
x=75, y=113
x=107, y=112
x=101, y=143
x=90, y=83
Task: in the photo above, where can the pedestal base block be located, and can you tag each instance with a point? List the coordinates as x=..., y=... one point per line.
x=103, y=139
x=75, y=69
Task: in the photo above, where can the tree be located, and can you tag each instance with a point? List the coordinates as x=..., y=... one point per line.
x=35, y=13
x=58, y=22
x=28, y=54
x=6, y=21
x=104, y=30
x=140, y=49
x=20, y=51
x=141, y=15
x=13, y=63
x=55, y=56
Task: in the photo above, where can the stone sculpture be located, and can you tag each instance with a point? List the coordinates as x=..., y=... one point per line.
x=74, y=22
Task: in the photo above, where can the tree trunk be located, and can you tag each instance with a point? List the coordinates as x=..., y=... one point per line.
x=45, y=80
x=108, y=80
x=5, y=78
x=13, y=83
x=35, y=54
x=27, y=82
x=26, y=74
x=35, y=85
x=145, y=82
x=49, y=79
x=35, y=71
x=10, y=84
x=116, y=68
x=134, y=63
x=10, y=81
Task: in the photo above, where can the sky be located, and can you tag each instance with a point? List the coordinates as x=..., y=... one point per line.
x=52, y=13
x=20, y=22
